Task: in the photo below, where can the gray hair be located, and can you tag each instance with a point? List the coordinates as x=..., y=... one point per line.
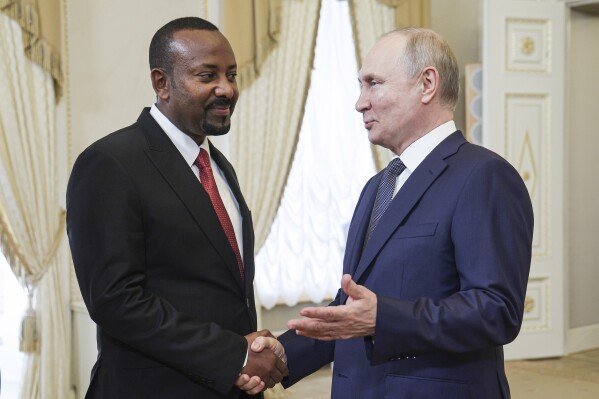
x=425, y=48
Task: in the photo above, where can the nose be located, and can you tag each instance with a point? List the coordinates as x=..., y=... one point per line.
x=225, y=88
x=363, y=104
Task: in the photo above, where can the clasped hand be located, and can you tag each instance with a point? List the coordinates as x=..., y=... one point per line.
x=266, y=364
x=357, y=318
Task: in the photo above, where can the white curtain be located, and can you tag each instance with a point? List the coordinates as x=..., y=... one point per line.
x=267, y=118
x=302, y=256
x=370, y=20
x=31, y=221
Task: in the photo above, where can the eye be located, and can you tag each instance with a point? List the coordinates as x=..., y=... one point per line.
x=206, y=75
x=232, y=76
x=374, y=82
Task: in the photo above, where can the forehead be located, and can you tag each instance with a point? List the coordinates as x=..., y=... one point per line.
x=383, y=59
x=202, y=46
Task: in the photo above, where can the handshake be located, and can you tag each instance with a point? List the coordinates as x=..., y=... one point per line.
x=266, y=363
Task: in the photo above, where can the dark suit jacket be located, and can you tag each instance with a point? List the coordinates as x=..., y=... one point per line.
x=449, y=262
x=156, y=271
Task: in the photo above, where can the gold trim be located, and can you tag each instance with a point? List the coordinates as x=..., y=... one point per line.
x=529, y=304
x=527, y=45
x=12, y=250
x=34, y=46
x=527, y=145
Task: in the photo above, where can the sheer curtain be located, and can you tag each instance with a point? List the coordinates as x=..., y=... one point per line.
x=267, y=118
x=302, y=256
x=31, y=221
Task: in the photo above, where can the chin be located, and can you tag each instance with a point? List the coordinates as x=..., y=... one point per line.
x=212, y=130
x=374, y=138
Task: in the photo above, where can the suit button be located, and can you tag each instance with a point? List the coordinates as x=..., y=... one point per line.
x=247, y=302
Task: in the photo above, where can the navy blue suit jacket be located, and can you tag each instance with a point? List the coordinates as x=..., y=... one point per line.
x=449, y=263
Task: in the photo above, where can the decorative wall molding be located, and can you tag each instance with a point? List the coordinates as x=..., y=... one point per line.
x=528, y=45
x=537, y=305
x=527, y=127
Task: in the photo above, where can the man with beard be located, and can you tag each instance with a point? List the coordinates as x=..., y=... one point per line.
x=162, y=239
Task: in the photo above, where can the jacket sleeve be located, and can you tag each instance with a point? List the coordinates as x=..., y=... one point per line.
x=306, y=355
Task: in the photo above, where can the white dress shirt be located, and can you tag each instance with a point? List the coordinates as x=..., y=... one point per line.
x=189, y=150
x=419, y=149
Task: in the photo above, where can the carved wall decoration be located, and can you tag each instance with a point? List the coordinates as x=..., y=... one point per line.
x=528, y=45
x=526, y=147
x=537, y=305
x=529, y=304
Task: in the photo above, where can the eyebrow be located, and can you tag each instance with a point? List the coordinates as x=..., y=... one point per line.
x=368, y=76
x=212, y=66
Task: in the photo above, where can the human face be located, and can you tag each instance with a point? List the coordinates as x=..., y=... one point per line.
x=202, y=90
x=390, y=101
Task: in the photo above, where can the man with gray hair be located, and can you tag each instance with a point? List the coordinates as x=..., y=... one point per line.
x=438, y=250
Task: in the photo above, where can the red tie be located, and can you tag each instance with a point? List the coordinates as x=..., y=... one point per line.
x=207, y=179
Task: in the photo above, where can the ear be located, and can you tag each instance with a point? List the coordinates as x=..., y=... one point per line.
x=161, y=83
x=429, y=84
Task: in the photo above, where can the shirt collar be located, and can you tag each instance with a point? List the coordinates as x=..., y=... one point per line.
x=188, y=148
x=419, y=149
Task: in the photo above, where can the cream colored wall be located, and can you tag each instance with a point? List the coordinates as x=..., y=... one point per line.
x=583, y=170
x=459, y=22
x=108, y=73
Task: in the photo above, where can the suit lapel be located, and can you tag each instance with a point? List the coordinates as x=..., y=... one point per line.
x=171, y=165
x=409, y=195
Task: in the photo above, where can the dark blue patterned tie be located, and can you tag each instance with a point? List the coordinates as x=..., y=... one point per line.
x=384, y=193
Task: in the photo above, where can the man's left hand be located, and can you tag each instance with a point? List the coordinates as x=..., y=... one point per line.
x=357, y=318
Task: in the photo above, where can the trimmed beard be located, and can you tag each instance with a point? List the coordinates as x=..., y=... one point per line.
x=214, y=130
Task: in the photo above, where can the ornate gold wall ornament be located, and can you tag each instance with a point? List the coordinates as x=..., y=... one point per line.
x=527, y=163
x=527, y=45
x=529, y=304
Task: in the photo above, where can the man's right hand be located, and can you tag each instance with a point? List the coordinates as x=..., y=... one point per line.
x=266, y=365
x=253, y=385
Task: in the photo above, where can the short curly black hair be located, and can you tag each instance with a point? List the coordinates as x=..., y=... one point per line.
x=161, y=55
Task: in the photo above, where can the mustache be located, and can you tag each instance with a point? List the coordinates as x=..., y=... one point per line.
x=220, y=102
